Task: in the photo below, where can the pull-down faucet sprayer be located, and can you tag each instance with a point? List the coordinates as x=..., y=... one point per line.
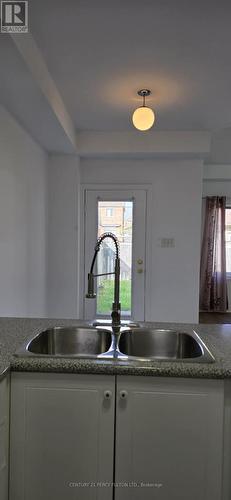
x=115, y=315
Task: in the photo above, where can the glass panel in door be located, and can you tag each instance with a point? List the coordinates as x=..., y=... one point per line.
x=115, y=217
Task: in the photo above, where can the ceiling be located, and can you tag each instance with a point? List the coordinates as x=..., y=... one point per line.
x=22, y=97
x=100, y=52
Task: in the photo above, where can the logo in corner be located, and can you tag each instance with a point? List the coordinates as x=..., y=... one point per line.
x=14, y=17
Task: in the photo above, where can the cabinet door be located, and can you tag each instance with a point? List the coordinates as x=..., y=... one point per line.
x=62, y=437
x=168, y=439
x=4, y=437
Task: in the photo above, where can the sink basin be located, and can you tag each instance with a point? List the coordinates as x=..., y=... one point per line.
x=135, y=343
x=72, y=341
x=164, y=345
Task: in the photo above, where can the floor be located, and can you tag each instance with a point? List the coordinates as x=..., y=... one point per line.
x=215, y=317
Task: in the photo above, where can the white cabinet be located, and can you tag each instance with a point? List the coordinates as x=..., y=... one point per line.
x=4, y=437
x=62, y=437
x=169, y=439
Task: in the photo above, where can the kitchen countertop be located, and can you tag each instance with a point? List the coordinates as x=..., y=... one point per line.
x=15, y=331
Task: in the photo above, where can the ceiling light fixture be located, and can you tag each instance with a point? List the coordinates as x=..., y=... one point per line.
x=143, y=117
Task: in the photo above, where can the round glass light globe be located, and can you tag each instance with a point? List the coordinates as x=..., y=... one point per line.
x=143, y=118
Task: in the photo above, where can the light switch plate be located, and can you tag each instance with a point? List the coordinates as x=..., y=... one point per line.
x=167, y=242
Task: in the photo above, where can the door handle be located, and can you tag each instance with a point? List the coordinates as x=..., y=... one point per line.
x=123, y=394
x=107, y=394
x=139, y=270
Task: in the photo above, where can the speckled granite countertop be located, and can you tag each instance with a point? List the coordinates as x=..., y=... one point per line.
x=15, y=331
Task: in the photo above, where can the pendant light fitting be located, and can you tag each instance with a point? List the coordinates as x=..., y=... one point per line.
x=143, y=117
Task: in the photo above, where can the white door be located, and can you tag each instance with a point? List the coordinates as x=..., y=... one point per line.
x=62, y=436
x=169, y=436
x=124, y=214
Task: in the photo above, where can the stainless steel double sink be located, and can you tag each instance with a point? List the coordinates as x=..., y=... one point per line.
x=125, y=343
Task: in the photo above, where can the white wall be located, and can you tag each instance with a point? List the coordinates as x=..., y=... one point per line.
x=63, y=242
x=39, y=254
x=22, y=222
x=217, y=180
x=176, y=212
x=217, y=188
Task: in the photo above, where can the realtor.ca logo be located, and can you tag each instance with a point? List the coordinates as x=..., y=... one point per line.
x=14, y=17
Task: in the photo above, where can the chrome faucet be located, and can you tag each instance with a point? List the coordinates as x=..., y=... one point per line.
x=115, y=315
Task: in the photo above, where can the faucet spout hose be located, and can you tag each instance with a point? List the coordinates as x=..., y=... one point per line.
x=108, y=235
x=98, y=244
x=97, y=248
x=91, y=294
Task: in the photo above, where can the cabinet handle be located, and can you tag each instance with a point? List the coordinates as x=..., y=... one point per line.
x=107, y=394
x=123, y=394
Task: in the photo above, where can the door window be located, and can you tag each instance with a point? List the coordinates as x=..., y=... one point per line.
x=115, y=217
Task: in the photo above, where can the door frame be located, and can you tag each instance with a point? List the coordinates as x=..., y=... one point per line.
x=148, y=239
